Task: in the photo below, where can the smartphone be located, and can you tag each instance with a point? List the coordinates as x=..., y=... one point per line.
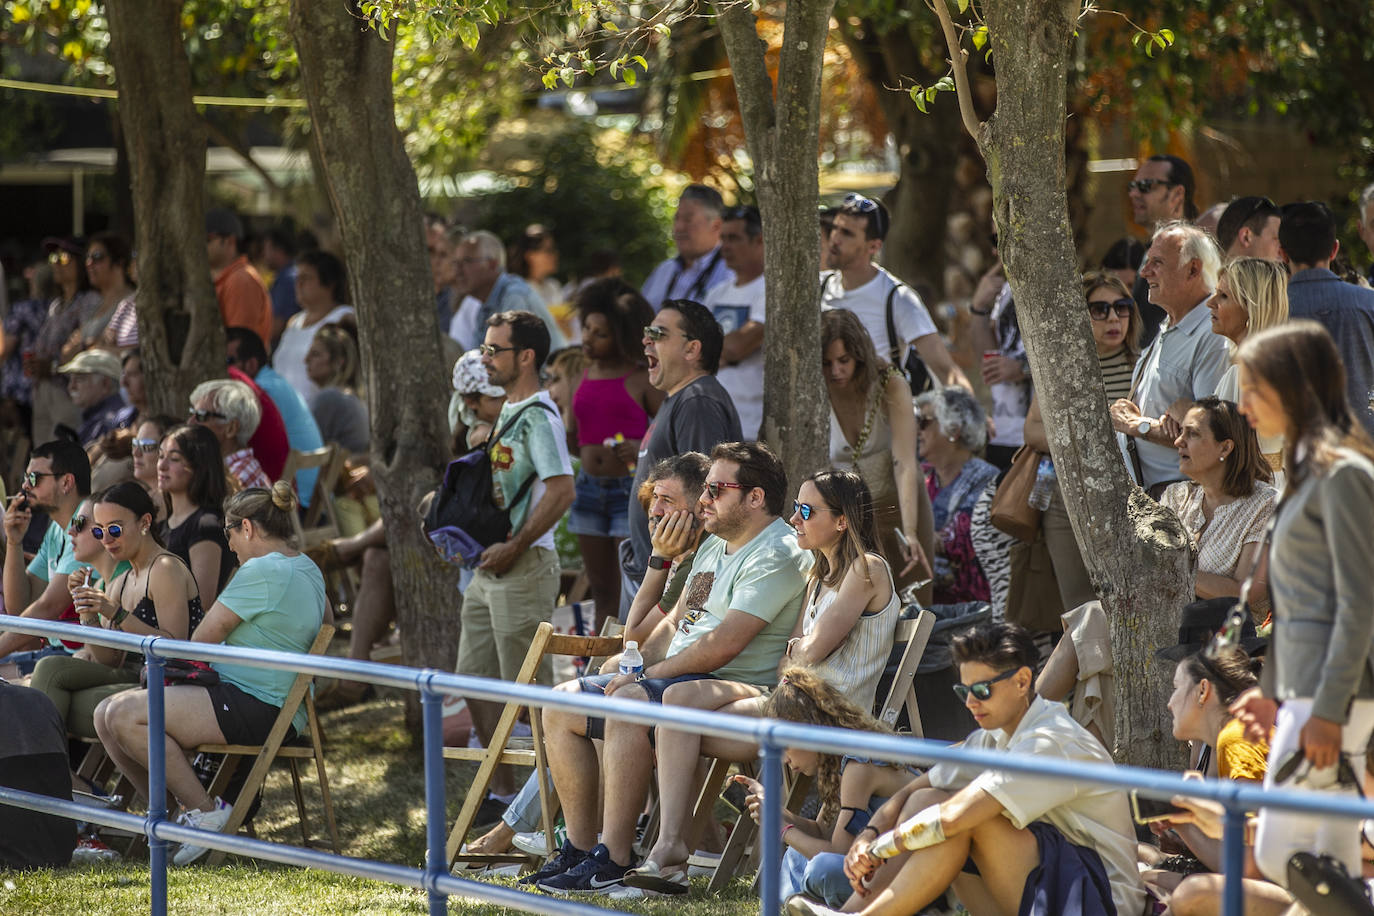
x=1147, y=810
x=736, y=796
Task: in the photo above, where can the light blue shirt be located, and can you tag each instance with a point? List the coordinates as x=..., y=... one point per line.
x=302, y=432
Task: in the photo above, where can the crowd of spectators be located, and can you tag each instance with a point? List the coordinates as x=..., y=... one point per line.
x=1236, y=366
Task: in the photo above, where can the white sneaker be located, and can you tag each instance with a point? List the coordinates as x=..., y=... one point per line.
x=531, y=843
x=212, y=821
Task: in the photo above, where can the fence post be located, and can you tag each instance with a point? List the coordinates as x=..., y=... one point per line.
x=436, y=820
x=157, y=782
x=1233, y=860
x=770, y=865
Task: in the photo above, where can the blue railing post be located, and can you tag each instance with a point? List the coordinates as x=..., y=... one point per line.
x=771, y=863
x=157, y=781
x=436, y=821
x=1233, y=860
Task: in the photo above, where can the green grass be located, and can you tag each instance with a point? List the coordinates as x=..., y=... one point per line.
x=377, y=783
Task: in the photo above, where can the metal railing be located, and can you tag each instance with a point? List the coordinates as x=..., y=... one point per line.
x=770, y=734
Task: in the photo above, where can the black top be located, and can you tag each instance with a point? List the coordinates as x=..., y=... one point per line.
x=33, y=757
x=202, y=525
x=146, y=609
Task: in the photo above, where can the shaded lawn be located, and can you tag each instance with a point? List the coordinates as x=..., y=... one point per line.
x=377, y=783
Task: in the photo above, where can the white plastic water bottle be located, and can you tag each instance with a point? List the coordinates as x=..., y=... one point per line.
x=1045, y=479
x=631, y=662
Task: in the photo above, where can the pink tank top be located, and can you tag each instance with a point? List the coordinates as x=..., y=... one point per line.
x=603, y=408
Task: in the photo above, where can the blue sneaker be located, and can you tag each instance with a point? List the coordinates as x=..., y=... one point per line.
x=596, y=874
x=565, y=858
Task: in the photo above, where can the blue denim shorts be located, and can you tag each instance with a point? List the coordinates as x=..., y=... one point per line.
x=601, y=506
x=653, y=686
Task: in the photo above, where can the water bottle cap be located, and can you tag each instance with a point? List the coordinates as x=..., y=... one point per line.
x=631, y=644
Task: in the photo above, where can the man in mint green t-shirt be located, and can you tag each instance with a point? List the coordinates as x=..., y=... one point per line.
x=516, y=582
x=731, y=622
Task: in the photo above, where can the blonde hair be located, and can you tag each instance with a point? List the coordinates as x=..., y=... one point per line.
x=269, y=510
x=342, y=351
x=1261, y=287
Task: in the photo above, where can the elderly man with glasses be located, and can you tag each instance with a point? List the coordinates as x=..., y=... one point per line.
x=229, y=410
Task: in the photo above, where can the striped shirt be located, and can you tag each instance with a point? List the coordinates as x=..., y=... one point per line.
x=856, y=665
x=1116, y=374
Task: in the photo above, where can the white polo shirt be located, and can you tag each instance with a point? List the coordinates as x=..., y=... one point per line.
x=869, y=302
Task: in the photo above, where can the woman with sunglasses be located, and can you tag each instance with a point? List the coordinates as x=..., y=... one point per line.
x=1043, y=842
x=75, y=301
x=1115, y=324
x=191, y=479
x=844, y=635
x=277, y=601
x=873, y=433
x=1318, y=683
x=146, y=443
x=107, y=264
x=1251, y=295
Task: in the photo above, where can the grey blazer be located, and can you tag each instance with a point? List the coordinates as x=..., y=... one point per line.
x=1321, y=577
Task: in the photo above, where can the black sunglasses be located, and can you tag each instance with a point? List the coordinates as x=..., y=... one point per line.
x=1145, y=185
x=113, y=531
x=805, y=510
x=1256, y=205
x=78, y=522
x=231, y=527
x=982, y=689
x=200, y=416
x=32, y=477
x=489, y=351
x=1100, y=311
x=713, y=489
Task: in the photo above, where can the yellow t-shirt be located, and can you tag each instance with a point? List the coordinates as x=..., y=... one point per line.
x=1238, y=758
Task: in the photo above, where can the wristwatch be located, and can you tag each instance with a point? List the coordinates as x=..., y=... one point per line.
x=659, y=562
x=1143, y=427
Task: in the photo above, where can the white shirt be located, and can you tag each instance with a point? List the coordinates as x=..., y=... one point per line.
x=463, y=328
x=733, y=307
x=869, y=302
x=289, y=357
x=1091, y=816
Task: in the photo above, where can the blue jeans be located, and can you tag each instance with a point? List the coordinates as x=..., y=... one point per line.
x=820, y=878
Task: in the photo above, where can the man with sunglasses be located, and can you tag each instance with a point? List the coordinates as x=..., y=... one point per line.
x=1249, y=228
x=58, y=479
x=1160, y=192
x=699, y=264
x=683, y=348
x=730, y=624
x=890, y=310
x=738, y=305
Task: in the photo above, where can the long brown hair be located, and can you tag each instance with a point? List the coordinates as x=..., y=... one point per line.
x=803, y=696
x=845, y=493
x=844, y=325
x=1301, y=365
x=1246, y=464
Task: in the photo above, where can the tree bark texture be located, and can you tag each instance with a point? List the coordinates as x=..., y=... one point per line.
x=783, y=135
x=181, y=334
x=1138, y=553
x=346, y=75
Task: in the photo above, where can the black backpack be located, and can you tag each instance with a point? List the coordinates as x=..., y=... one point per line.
x=463, y=518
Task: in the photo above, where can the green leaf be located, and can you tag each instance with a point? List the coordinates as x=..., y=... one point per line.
x=980, y=37
x=550, y=79
x=963, y=6
x=630, y=77
x=610, y=27
x=931, y=93
x=1167, y=35
x=662, y=29
x=567, y=75
x=615, y=69
x=1158, y=40
x=467, y=33
x=643, y=64
x=1135, y=39
x=589, y=66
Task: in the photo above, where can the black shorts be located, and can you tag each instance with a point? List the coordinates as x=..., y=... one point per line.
x=242, y=717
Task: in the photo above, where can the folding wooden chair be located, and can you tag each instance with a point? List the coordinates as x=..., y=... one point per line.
x=320, y=522
x=273, y=749
x=909, y=644
x=529, y=752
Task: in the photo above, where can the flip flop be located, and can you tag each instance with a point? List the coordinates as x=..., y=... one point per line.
x=653, y=877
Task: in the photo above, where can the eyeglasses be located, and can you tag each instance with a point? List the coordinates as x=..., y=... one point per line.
x=146, y=446
x=78, y=522
x=1145, y=185
x=1101, y=311
x=60, y=257
x=200, y=416
x=871, y=208
x=656, y=332
x=923, y=421
x=229, y=528
x=95, y=257
x=1255, y=205
x=489, y=351
x=713, y=489
x=983, y=689
x=32, y=477
x=805, y=510
x=112, y=531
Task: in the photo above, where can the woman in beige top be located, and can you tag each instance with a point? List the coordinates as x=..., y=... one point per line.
x=873, y=432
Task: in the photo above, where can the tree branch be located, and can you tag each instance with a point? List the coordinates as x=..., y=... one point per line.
x=230, y=142
x=958, y=61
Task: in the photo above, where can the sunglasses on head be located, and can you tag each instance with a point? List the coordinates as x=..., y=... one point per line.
x=713, y=489
x=1145, y=185
x=200, y=416
x=982, y=689
x=111, y=531
x=867, y=206
x=78, y=522
x=1258, y=205
x=146, y=446
x=1101, y=311
x=805, y=510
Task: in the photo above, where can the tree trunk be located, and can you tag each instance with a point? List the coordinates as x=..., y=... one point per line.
x=1137, y=552
x=181, y=334
x=783, y=139
x=346, y=75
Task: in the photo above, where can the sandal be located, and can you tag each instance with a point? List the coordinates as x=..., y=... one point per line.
x=651, y=876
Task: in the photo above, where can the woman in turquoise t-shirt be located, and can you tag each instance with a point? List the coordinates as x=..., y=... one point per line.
x=276, y=600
